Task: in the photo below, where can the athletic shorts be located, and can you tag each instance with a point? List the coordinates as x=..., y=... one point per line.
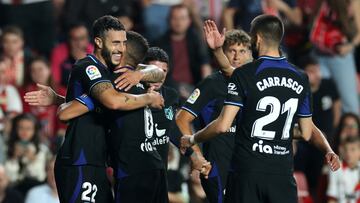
x=213, y=186
x=148, y=186
x=85, y=183
x=260, y=188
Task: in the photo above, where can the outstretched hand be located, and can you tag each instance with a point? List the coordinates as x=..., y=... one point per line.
x=45, y=96
x=213, y=37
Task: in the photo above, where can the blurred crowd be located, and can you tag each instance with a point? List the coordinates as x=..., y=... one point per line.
x=41, y=39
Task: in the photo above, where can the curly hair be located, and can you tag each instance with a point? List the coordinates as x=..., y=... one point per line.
x=236, y=37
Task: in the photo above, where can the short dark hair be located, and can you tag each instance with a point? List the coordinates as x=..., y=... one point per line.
x=350, y=140
x=236, y=37
x=74, y=25
x=106, y=23
x=12, y=29
x=136, y=48
x=306, y=61
x=270, y=27
x=156, y=54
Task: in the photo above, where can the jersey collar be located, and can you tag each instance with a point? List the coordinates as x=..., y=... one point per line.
x=96, y=60
x=272, y=58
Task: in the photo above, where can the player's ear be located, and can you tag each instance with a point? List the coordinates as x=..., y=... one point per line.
x=99, y=42
x=258, y=40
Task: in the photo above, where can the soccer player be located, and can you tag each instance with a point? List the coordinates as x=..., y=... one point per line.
x=133, y=155
x=164, y=119
x=206, y=103
x=270, y=92
x=80, y=164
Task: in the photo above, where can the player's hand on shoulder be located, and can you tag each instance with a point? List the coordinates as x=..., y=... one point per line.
x=333, y=161
x=45, y=96
x=156, y=100
x=127, y=79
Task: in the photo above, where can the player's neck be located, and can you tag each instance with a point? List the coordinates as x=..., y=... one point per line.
x=269, y=51
x=100, y=58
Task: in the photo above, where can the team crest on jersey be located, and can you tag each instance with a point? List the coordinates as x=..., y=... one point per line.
x=93, y=72
x=169, y=113
x=194, y=96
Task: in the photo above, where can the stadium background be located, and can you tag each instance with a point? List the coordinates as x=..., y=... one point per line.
x=41, y=39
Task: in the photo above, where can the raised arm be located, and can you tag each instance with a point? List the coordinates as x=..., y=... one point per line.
x=215, y=41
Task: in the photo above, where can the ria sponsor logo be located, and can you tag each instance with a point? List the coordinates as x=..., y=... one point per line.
x=147, y=146
x=267, y=149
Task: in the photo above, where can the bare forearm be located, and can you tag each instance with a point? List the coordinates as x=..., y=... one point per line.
x=319, y=141
x=208, y=132
x=152, y=74
x=130, y=102
x=223, y=61
x=228, y=18
x=294, y=15
x=336, y=112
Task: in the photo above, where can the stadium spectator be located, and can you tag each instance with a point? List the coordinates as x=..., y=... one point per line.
x=25, y=164
x=189, y=60
x=35, y=18
x=10, y=102
x=65, y=54
x=88, y=11
x=344, y=183
x=348, y=127
x=154, y=14
x=327, y=112
x=335, y=34
x=45, y=193
x=15, y=57
x=7, y=194
x=40, y=73
x=239, y=13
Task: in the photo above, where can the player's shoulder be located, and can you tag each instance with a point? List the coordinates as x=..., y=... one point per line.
x=211, y=80
x=170, y=93
x=298, y=70
x=88, y=62
x=248, y=68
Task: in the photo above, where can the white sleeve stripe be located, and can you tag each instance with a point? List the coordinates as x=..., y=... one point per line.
x=233, y=103
x=190, y=111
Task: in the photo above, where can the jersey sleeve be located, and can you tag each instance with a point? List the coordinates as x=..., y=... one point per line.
x=305, y=108
x=199, y=98
x=91, y=75
x=235, y=95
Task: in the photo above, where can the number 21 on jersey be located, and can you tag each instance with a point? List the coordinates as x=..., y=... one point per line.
x=276, y=109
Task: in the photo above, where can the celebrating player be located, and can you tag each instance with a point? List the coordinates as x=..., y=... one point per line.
x=269, y=91
x=206, y=103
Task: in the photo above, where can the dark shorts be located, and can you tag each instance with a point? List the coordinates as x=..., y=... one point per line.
x=149, y=186
x=260, y=188
x=85, y=183
x=214, y=186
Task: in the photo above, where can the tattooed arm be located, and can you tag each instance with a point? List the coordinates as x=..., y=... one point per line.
x=151, y=73
x=144, y=73
x=105, y=93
